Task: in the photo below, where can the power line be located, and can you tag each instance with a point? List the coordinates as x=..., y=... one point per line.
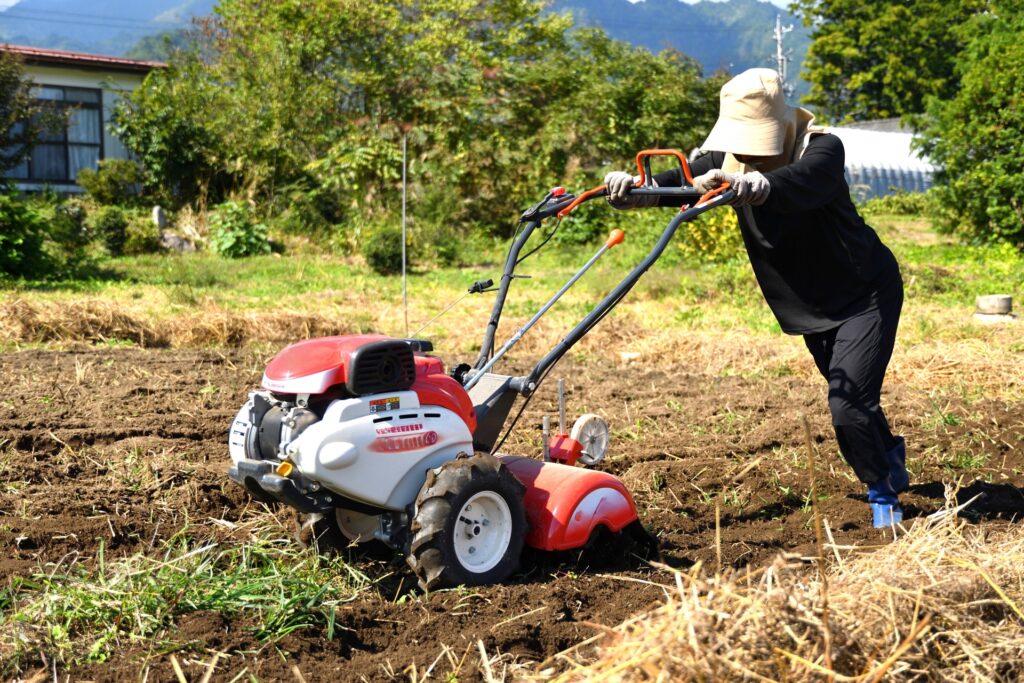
x=93, y=20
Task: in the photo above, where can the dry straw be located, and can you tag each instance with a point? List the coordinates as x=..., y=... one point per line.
x=98, y=321
x=941, y=603
x=986, y=360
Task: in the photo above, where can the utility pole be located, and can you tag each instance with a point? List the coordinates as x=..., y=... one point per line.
x=782, y=55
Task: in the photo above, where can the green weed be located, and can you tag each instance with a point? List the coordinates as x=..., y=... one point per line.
x=73, y=614
x=733, y=497
x=940, y=418
x=964, y=461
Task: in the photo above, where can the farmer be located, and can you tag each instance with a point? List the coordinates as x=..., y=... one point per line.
x=823, y=271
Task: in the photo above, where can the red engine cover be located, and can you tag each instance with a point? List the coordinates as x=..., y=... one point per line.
x=438, y=389
x=315, y=365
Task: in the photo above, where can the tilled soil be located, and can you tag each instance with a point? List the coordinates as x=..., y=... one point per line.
x=119, y=448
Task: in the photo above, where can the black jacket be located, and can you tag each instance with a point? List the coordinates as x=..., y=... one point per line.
x=817, y=262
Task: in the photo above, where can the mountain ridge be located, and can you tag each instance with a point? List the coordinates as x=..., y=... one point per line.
x=732, y=35
x=110, y=27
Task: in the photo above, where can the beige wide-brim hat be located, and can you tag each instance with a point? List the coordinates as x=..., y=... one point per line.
x=752, y=116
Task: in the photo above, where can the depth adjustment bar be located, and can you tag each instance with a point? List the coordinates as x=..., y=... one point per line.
x=616, y=237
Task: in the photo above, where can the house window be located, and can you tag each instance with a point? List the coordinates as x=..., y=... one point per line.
x=61, y=154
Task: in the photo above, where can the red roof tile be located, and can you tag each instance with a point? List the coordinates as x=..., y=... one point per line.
x=38, y=55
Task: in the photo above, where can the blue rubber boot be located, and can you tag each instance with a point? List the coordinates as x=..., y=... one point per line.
x=885, y=505
x=897, y=459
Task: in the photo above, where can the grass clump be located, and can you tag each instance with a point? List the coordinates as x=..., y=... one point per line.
x=78, y=614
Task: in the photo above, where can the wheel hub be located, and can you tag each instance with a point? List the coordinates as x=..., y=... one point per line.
x=483, y=532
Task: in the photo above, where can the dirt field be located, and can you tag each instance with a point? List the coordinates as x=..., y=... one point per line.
x=123, y=446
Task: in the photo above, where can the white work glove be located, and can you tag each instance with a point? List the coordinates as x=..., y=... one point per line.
x=619, y=184
x=751, y=188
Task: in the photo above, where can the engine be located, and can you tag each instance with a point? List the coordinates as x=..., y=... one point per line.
x=265, y=426
x=358, y=420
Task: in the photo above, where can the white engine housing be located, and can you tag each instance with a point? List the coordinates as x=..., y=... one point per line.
x=373, y=449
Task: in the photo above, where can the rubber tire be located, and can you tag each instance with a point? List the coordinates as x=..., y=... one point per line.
x=431, y=552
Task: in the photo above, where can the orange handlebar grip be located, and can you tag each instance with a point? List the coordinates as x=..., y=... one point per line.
x=615, y=237
x=707, y=196
x=582, y=198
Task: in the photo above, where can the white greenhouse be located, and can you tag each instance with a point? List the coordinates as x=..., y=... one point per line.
x=880, y=160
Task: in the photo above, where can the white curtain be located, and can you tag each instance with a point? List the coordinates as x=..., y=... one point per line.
x=82, y=157
x=84, y=126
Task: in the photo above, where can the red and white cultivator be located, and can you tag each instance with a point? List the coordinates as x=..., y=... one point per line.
x=374, y=440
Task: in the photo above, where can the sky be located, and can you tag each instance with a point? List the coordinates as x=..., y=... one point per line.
x=4, y=4
x=778, y=3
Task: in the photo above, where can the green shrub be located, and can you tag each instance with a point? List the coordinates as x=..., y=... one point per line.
x=115, y=181
x=441, y=245
x=142, y=236
x=22, y=232
x=712, y=236
x=591, y=222
x=305, y=210
x=974, y=137
x=382, y=249
x=235, y=233
x=110, y=225
x=901, y=204
x=68, y=237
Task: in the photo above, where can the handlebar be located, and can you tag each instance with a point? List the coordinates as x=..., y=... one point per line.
x=646, y=188
x=558, y=203
x=685, y=193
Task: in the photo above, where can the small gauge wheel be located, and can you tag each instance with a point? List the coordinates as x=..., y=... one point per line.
x=592, y=432
x=356, y=526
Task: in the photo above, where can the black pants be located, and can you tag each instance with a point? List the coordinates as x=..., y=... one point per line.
x=853, y=358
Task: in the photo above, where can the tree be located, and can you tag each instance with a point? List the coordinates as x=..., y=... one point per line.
x=975, y=136
x=160, y=46
x=23, y=119
x=168, y=124
x=870, y=60
x=291, y=103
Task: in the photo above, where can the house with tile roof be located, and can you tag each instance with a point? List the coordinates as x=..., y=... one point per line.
x=87, y=87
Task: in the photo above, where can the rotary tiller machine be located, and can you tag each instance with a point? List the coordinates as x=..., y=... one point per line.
x=372, y=440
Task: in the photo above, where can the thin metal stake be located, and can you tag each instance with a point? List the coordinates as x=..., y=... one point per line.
x=546, y=431
x=405, y=287
x=561, y=406
x=448, y=308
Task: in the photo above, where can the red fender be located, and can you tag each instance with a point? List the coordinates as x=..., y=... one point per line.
x=564, y=505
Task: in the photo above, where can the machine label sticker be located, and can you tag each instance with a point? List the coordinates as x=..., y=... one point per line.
x=396, y=444
x=379, y=405
x=400, y=428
